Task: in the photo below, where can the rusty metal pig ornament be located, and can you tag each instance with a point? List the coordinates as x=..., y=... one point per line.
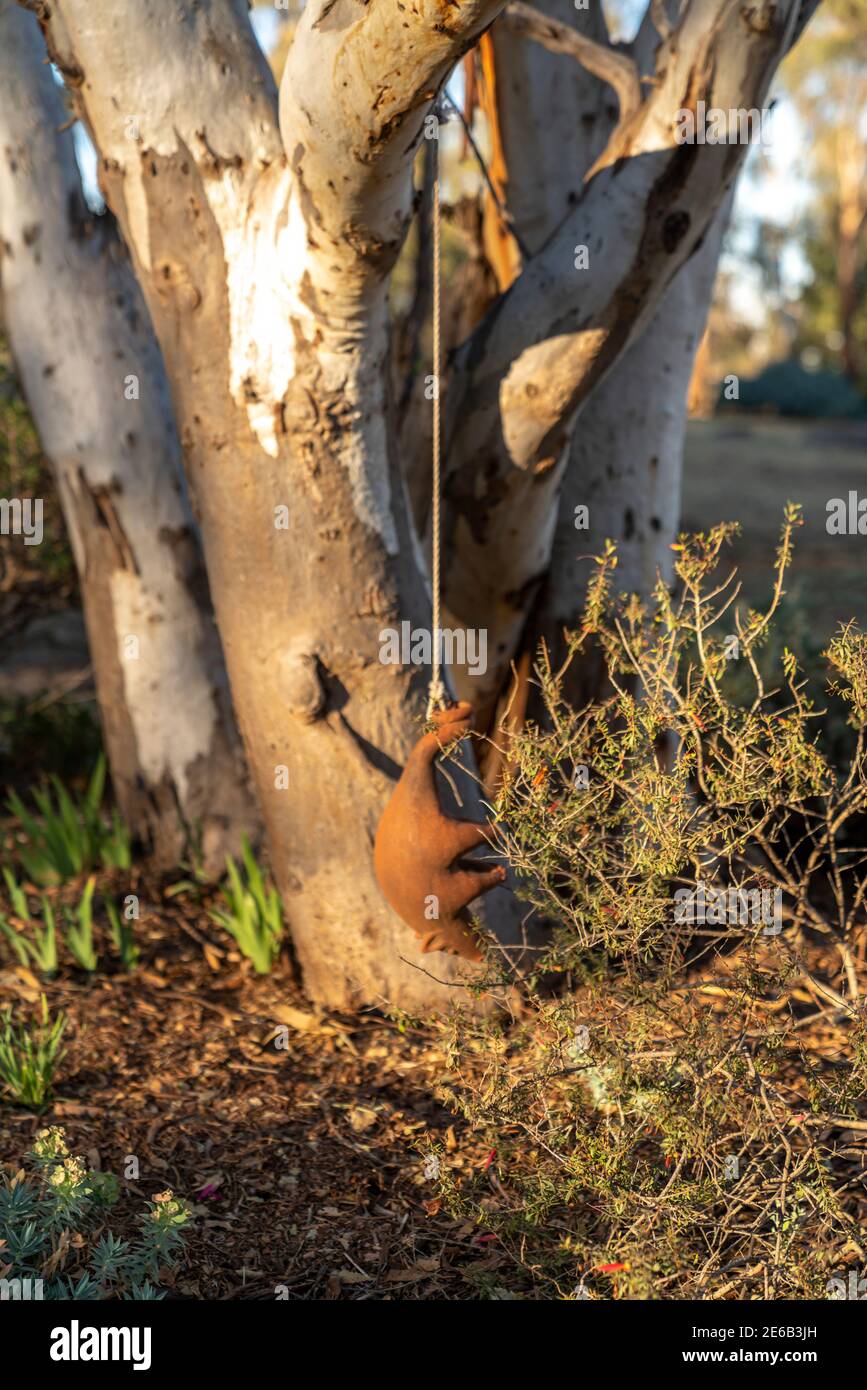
x=418, y=850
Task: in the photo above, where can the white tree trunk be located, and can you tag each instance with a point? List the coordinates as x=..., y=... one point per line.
x=266, y=264
x=554, y=121
x=79, y=333
x=625, y=466
x=532, y=366
x=626, y=453
x=269, y=300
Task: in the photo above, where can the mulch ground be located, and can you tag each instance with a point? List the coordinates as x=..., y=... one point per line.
x=302, y=1162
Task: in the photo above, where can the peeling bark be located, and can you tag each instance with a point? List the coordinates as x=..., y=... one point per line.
x=533, y=364
x=626, y=454
x=553, y=120
x=625, y=465
x=266, y=277
x=265, y=263
x=79, y=333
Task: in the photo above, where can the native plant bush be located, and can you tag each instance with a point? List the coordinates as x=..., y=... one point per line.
x=68, y=838
x=53, y=1228
x=29, y=1053
x=122, y=935
x=33, y=939
x=34, y=936
x=671, y=783
x=78, y=930
x=254, y=915
x=677, y=1108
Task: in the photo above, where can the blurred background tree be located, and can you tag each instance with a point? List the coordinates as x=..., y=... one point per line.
x=827, y=80
x=792, y=287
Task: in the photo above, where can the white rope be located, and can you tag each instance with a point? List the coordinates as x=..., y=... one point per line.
x=436, y=689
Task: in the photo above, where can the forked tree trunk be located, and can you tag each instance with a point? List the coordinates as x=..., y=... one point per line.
x=626, y=467
x=265, y=264
x=277, y=362
x=626, y=454
x=91, y=371
x=527, y=376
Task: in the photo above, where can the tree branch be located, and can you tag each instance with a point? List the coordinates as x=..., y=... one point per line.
x=659, y=15
x=522, y=378
x=805, y=14
x=617, y=69
x=357, y=86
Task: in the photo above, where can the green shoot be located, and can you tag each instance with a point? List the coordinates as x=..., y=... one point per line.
x=79, y=930
x=254, y=917
x=28, y=1057
x=122, y=937
x=66, y=840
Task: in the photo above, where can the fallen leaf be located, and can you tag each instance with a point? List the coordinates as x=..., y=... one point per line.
x=349, y=1276
x=361, y=1117
x=296, y=1018
x=213, y=957
x=421, y=1270
x=11, y=980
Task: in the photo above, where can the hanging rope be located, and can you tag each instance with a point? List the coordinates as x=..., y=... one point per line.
x=436, y=689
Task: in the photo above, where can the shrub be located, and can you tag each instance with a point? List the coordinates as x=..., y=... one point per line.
x=52, y=1228
x=677, y=1109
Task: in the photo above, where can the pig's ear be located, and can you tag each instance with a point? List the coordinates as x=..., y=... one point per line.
x=449, y=725
x=453, y=721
